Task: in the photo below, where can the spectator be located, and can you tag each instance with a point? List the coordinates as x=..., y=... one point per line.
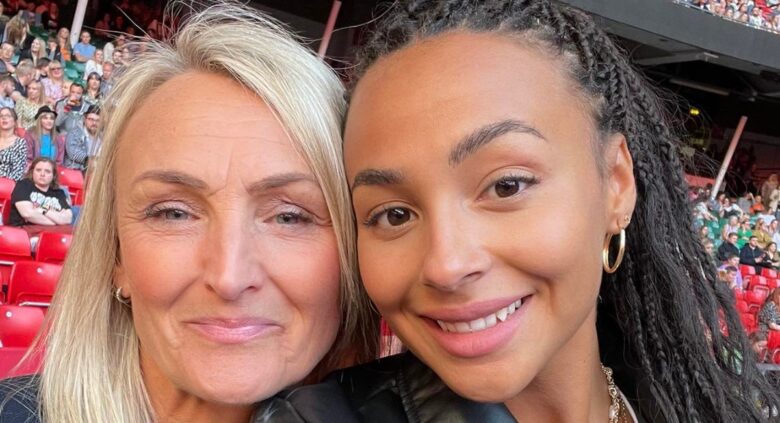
x=733, y=262
x=732, y=226
x=38, y=202
x=704, y=233
x=769, y=315
x=42, y=69
x=70, y=110
x=42, y=139
x=53, y=49
x=770, y=185
x=13, y=150
x=745, y=201
x=108, y=79
x=27, y=108
x=758, y=206
x=83, y=142
x=701, y=212
x=730, y=208
x=772, y=255
x=728, y=248
x=25, y=73
x=63, y=45
x=51, y=18
x=709, y=248
x=7, y=88
x=52, y=85
x=103, y=26
x=752, y=255
x=110, y=49
x=36, y=52
x=18, y=35
x=116, y=57
x=744, y=232
x=92, y=93
x=6, y=56
x=94, y=65
x=83, y=50
x=761, y=232
x=730, y=277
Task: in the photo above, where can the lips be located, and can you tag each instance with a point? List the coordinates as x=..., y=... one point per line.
x=233, y=331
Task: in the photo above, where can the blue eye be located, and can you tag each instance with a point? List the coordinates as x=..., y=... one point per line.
x=291, y=218
x=167, y=213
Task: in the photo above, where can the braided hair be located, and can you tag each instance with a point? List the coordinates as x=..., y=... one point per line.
x=664, y=303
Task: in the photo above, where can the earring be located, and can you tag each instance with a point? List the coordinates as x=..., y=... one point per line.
x=120, y=298
x=621, y=251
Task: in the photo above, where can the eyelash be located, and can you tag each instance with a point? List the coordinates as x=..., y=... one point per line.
x=158, y=211
x=374, y=218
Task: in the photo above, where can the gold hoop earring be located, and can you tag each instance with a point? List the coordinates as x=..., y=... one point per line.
x=120, y=298
x=605, y=252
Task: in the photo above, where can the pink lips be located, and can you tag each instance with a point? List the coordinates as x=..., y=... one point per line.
x=478, y=343
x=232, y=331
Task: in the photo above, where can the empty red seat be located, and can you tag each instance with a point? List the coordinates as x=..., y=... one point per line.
x=769, y=273
x=14, y=246
x=19, y=325
x=773, y=339
x=6, y=187
x=747, y=270
x=742, y=306
x=71, y=178
x=748, y=321
x=33, y=283
x=757, y=295
x=53, y=247
x=738, y=294
x=11, y=364
x=772, y=283
x=758, y=280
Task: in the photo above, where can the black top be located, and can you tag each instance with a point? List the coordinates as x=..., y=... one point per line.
x=19, y=400
x=25, y=190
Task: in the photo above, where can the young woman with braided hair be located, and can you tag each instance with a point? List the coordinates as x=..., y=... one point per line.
x=481, y=138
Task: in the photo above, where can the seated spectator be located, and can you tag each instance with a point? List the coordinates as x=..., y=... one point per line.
x=758, y=206
x=108, y=79
x=704, y=233
x=18, y=35
x=709, y=248
x=768, y=186
x=733, y=262
x=36, y=52
x=27, y=108
x=70, y=110
x=752, y=255
x=92, y=93
x=94, y=65
x=702, y=212
x=42, y=69
x=732, y=226
x=53, y=52
x=728, y=248
x=769, y=315
x=772, y=255
x=761, y=232
x=83, y=142
x=63, y=45
x=730, y=276
x=103, y=26
x=52, y=85
x=13, y=150
x=42, y=139
x=111, y=49
x=51, y=18
x=38, y=202
x=746, y=201
x=83, y=50
x=6, y=56
x=744, y=232
x=730, y=208
x=6, y=91
x=25, y=73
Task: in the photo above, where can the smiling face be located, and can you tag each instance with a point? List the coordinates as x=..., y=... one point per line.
x=463, y=185
x=47, y=121
x=227, y=251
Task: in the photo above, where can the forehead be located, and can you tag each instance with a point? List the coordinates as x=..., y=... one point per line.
x=462, y=80
x=178, y=128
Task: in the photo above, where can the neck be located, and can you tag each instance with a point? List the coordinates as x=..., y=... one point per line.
x=173, y=405
x=571, y=388
x=42, y=187
x=6, y=133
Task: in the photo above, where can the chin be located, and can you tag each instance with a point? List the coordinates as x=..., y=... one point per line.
x=239, y=393
x=484, y=386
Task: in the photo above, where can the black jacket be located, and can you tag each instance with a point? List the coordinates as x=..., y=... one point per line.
x=396, y=389
x=19, y=400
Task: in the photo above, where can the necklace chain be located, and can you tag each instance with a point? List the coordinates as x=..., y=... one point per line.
x=616, y=407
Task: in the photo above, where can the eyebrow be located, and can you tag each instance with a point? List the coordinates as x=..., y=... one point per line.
x=377, y=177
x=174, y=177
x=484, y=135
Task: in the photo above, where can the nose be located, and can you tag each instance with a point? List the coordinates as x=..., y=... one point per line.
x=455, y=256
x=227, y=253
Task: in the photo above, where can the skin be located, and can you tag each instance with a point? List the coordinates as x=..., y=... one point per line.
x=91, y=123
x=241, y=208
x=47, y=121
x=463, y=243
x=42, y=176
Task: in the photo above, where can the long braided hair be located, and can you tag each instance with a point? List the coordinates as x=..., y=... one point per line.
x=664, y=305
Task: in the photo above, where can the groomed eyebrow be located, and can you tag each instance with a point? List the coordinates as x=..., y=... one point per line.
x=488, y=133
x=377, y=177
x=179, y=178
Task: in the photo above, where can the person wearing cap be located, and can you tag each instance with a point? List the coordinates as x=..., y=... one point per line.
x=70, y=110
x=42, y=138
x=83, y=142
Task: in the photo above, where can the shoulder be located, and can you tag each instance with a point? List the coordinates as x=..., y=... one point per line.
x=19, y=400
x=393, y=389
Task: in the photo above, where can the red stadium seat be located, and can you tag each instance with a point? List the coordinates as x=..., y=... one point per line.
x=739, y=294
x=33, y=283
x=749, y=322
x=742, y=306
x=11, y=365
x=769, y=273
x=53, y=247
x=6, y=187
x=758, y=280
x=757, y=295
x=747, y=270
x=71, y=178
x=78, y=197
x=19, y=325
x=773, y=339
x=772, y=283
x=14, y=246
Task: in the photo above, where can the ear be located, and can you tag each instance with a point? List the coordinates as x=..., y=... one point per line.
x=620, y=183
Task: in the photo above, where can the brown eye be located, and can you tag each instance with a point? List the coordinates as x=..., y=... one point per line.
x=398, y=216
x=507, y=187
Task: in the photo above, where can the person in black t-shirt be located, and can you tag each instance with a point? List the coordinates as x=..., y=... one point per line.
x=38, y=200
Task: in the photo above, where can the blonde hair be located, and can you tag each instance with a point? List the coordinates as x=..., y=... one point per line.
x=92, y=372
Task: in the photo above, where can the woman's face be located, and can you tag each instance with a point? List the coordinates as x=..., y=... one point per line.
x=43, y=174
x=35, y=46
x=63, y=33
x=47, y=121
x=463, y=184
x=99, y=56
x=7, y=120
x=34, y=91
x=94, y=82
x=733, y=220
x=227, y=250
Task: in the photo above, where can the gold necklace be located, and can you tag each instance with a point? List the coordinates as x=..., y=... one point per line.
x=616, y=408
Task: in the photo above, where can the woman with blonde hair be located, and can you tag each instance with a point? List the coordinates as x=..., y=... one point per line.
x=767, y=188
x=43, y=140
x=36, y=52
x=27, y=107
x=211, y=267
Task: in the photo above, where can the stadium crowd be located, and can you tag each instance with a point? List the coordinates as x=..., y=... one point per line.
x=764, y=14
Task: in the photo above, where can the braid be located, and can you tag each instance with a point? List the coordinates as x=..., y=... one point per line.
x=665, y=296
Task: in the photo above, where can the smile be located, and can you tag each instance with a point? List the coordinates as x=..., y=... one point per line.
x=481, y=323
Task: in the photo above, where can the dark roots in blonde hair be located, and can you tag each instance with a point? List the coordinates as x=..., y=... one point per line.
x=664, y=304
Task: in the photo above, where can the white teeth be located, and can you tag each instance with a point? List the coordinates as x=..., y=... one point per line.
x=481, y=323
